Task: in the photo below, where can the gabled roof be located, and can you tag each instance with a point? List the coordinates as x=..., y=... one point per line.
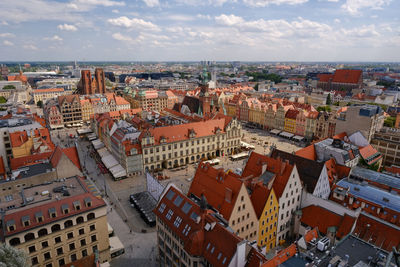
x=16, y=163
x=259, y=197
x=309, y=170
x=215, y=184
x=175, y=207
x=70, y=152
x=370, y=154
x=291, y=114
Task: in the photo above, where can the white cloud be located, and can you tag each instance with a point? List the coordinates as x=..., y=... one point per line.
x=354, y=6
x=364, y=31
x=4, y=23
x=54, y=38
x=337, y=20
x=30, y=47
x=67, y=27
x=229, y=20
x=7, y=43
x=201, y=16
x=7, y=35
x=120, y=37
x=151, y=3
x=205, y=2
x=115, y=11
x=106, y=3
x=133, y=23
x=264, y=3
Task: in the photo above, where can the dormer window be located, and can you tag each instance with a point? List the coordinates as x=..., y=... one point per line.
x=52, y=212
x=88, y=202
x=25, y=220
x=10, y=225
x=77, y=205
x=39, y=216
x=163, y=139
x=65, y=208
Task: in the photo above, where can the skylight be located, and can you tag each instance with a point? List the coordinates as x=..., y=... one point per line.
x=162, y=207
x=186, y=207
x=178, y=200
x=194, y=216
x=170, y=194
x=178, y=221
x=169, y=214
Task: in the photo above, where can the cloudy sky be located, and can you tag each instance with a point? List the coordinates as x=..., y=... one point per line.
x=169, y=30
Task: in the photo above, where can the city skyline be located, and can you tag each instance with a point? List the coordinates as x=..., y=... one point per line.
x=157, y=30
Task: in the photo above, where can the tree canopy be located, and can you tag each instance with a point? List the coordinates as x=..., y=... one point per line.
x=261, y=76
x=9, y=86
x=12, y=257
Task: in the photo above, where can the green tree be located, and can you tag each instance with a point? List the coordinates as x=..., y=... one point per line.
x=3, y=100
x=12, y=257
x=324, y=108
x=336, y=103
x=390, y=122
x=9, y=86
x=40, y=104
x=328, y=99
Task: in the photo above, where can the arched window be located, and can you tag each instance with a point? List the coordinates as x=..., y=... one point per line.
x=55, y=228
x=90, y=216
x=15, y=241
x=42, y=232
x=29, y=236
x=79, y=220
x=68, y=224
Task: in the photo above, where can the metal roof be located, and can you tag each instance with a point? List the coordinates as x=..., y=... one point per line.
x=369, y=175
x=373, y=194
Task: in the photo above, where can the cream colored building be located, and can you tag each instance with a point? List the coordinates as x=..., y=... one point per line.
x=47, y=94
x=53, y=229
x=178, y=145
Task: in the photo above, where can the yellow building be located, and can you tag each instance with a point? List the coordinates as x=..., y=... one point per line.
x=46, y=94
x=268, y=217
x=290, y=120
x=87, y=109
x=25, y=143
x=257, y=114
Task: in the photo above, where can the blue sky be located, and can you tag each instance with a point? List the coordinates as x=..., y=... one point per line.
x=171, y=30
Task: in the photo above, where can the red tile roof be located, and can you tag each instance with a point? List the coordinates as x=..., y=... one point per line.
x=282, y=256
x=307, y=152
x=291, y=114
x=47, y=90
x=197, y=240
x=70, y=152
x=16, y=163
x=377, y=232
x=259, y=197
x=326, y=219
x=310, y=235
x=215, y=184
x=369, y=151
x=17, y=215
x=180, y=132
x=347, y=76
x=2, y=168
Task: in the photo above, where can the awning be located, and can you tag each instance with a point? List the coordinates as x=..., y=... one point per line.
x=275, y=131
x=286, y=134
x=118, y=171
x=298, y=137
x=97, y=144
x=109, y=161
x=246, y=145
x=103, y=152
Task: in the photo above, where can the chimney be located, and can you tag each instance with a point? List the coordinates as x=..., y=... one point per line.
x=264, y=168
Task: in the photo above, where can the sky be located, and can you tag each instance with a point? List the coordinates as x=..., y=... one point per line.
x=192, y=30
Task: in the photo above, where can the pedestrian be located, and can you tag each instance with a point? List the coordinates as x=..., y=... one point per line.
x=130, y=231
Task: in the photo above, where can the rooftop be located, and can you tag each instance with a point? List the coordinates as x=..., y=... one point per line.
x=363, y=174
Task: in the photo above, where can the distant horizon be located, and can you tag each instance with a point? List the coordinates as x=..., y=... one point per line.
x=194, y=61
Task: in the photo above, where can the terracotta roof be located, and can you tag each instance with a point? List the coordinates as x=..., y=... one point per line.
x=377, y=232
x=70, y=152
x=215, y=184
x=307, y=152
x=44, y=209
x=68, y=98
x=324, y=77
x=255, y=258
x=191, y=230
x=347, y=76
x=393, y=169
x=336, y=171
x=326, y=219
x=291, y=114
x=2, y=168
x=16, y=163
x=310, y=235
x=368, y=152
x=174, y=133
x=21, y=137
x=259, y=197
x=282, y=256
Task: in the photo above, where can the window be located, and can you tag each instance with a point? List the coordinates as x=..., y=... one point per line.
x=94, y=248
x=70, y=235
x=35, y=261
x=93, y=238
x=61, y=262
x=57, y=239
x=169, y=214
x=32, y=249
x=84, y=253
x=73, y=257
x=81, y=231
x=92, y=227
x=45, y=244
x=83, y=242
x=47, y=256
x=59, y=251
x=49, y=265
x=71, y=246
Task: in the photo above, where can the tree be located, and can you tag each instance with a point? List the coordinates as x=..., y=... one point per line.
x=12, y=257
x=3, y=100
x=390, y=122
x=9, y=86
x=328, y=99
x=40, y=104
